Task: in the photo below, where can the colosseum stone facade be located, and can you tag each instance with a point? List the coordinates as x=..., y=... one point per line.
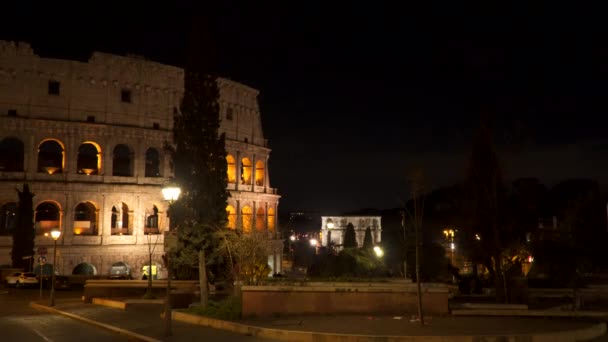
x=88, y=138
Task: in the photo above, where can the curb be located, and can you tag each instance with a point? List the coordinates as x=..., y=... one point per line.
x=310, y=336
x=93, y=322
x=109, y=303
x=529, y=313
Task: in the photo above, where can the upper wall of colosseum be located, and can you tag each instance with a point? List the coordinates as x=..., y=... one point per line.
x=240, y=113
x=115, y=90
x=107, y=89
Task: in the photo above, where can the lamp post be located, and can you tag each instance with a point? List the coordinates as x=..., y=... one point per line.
x=449, y=235
x=55, y=234
x=171, y=194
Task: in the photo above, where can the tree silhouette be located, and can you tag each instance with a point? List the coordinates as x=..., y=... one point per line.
x=23, y=234
x=368, y=242
x=350, y=239
x=199, y=158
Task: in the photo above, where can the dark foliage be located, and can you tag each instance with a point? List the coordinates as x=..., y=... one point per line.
x=24, y=234
x=350, y=239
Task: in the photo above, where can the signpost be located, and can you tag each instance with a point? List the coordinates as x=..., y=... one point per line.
x=41, y=262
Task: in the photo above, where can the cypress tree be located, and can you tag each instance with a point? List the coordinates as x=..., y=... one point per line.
x=350, y=239
x=199, y=158
x=23, y=234
x=368, y=242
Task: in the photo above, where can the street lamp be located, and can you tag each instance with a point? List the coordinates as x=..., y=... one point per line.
x=449, y=234
x=379, y=252
x=55, y=234
x=170, y=194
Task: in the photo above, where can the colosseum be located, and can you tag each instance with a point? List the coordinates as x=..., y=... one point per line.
x=88, y=138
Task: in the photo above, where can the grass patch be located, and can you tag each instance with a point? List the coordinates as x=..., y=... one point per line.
x=227, y=309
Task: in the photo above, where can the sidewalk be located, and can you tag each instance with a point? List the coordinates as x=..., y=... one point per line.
x=143, y=322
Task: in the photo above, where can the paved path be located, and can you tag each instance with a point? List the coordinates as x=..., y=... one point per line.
x=144, y=319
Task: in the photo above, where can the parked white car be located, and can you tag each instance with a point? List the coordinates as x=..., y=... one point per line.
x=19, y=279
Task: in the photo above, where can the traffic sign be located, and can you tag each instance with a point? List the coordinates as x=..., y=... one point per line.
x=42, y=250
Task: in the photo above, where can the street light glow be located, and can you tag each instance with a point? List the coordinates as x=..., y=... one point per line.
x=313, y=242
x=292, y=238
x=379, y=252
x=452, y=246
x=171, y=193
x=55, y=234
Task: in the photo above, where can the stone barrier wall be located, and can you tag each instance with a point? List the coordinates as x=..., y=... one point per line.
x=365, y=298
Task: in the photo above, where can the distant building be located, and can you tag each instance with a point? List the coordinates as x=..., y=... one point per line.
x=89, y=138
x=333, y=229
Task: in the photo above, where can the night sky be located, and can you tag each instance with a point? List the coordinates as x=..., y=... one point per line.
x=353, y=97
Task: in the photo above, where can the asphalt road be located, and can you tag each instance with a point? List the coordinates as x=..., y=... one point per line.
x=20, y=322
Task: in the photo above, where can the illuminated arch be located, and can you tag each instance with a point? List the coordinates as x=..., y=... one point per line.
x=271, y=219
x=85, y=219
x=88, y=161
x=231, y=217
x=246, y=171
x=246, y=215
x=231, y=168
x=51, y=156
x=47, y=217
x=259, y=173
x=259, y=220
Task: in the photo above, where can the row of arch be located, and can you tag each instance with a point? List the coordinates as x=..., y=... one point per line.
x=51, y=158
x=47, y=216
x=247, y=173
x=261, y=221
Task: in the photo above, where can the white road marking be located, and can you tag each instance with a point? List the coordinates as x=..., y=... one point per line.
x=42, y=335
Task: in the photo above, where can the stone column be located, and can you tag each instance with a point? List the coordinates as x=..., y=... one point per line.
x=253, y=170
x=237, y=175
x=266, y=178
x=239, y=216
x=255, y=217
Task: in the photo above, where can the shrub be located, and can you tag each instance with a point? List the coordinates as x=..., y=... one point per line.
x=227, y=309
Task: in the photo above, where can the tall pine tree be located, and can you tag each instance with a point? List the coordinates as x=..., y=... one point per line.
x=350, y=238
x=24, y=234
x=368, y=242
x=199, y=160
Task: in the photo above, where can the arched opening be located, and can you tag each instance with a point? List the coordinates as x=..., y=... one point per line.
x=11, y=155
x=126, y=224
x=259, y=220
x=122, y=164
x=152, y=221
x=85, y=219
x=114, y=219
x=89, y=160
x=152, y=163
x=84, y=269
x=231, y=169
x=47, y=218
x=231, y=217
x=271, y=220
x=8, y=214
x=246, y=215
x=50, y=157
x=259, y=173
x=246, y=171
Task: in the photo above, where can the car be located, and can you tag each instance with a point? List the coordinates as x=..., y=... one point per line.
x=19, y=279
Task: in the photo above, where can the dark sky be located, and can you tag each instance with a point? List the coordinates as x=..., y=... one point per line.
x=353, y=97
